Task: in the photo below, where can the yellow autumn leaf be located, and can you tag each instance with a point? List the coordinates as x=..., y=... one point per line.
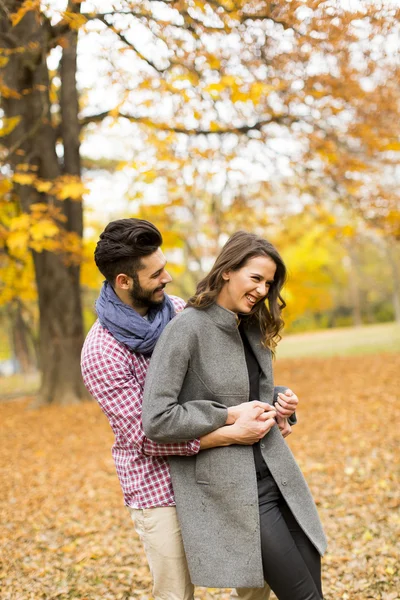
x=21, y=222
x=348, y=230
x=330, y=157
x=8, y=124
x=214, y=126
x=353, y=186
x=90, y=276
x=24, y=178
x=176, y=270
x=194, y=77
x=235, y=15
x=3, y=61
x=40, y=207
x=200, y=5
x=238, y=96
x=75, y=21
x=43, y=229
x=149, y=176
x=26, y=7
x=5, y=186
x=70, y=187
x=356, y=165
x=18, y=239
x=258, y=90
x=214, y=89
x=43, y=186
x=394, y=146
x=214, y=62
x=48, y=244
x=7, y=92
x=25, y=168
x=72, y=245
x=171, y=239
x=231, y=81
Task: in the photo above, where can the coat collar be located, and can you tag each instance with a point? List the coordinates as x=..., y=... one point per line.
x=228, y=320
x=222, y=316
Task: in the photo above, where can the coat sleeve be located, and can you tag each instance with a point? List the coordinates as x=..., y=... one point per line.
x=164, y=419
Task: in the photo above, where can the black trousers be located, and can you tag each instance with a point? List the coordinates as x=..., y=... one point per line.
x=292, y=565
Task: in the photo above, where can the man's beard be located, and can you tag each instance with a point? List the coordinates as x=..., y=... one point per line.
x=142, y=298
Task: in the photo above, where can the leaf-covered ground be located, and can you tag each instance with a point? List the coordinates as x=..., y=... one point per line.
x=65, y=534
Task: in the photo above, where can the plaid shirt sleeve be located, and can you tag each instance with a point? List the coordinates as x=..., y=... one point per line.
x=178, y=303
x=112, y=384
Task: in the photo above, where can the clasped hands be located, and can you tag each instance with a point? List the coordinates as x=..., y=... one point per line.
x=251, y=421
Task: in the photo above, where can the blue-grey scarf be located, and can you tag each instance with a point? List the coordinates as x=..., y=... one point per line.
x=127, y=326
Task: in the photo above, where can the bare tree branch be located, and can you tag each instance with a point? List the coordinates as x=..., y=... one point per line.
x=124, y=39
x=281, y=120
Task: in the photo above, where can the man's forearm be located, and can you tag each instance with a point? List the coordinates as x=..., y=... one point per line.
x=245, y=431
x=219, y=437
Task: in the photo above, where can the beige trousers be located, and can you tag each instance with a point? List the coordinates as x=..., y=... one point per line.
x=160, y=533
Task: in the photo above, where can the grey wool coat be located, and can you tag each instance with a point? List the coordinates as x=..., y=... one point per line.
x=198, y=369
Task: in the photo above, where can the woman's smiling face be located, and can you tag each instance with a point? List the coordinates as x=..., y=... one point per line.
x=247, y=286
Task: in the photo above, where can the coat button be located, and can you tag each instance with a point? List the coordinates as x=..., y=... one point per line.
x=284, y=482
x=262, y=445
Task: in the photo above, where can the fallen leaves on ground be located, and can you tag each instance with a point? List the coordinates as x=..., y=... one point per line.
x=65, y=533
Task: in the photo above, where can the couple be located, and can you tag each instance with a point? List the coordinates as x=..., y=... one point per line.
x=215, y=493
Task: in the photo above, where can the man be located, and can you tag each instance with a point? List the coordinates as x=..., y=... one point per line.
x=133, y=310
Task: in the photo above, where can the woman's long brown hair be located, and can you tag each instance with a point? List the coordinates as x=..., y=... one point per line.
x=240, y=248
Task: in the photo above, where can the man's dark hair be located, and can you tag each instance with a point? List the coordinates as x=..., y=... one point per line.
x=122, y=244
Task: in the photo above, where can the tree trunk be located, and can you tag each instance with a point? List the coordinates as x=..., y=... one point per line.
x=22, y=340
x=354, y=287
x=394, y=265
x=33, y=142
x=61, y=331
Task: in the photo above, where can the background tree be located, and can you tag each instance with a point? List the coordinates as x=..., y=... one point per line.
x=46, y=187
x=303, y=91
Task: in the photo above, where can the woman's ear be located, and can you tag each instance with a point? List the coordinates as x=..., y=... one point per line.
x=225, y=276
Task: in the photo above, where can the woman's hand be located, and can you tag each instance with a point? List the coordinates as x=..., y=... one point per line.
x=286, y=404
x=284, y=426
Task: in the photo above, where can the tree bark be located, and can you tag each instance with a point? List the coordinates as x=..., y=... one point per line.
x=394, y=265
x=22, y=340
x=61, y=331
x=33, y=142
x=354, y=287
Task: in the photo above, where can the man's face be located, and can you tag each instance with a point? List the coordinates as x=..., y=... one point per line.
x=147, y=290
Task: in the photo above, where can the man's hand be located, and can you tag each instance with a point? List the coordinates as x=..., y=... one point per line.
x=249, y=428
x=252, y=422
x=286, y=404
x=284, y=426
x=253, y=410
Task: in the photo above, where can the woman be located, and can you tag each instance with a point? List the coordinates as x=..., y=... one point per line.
x=246, y=514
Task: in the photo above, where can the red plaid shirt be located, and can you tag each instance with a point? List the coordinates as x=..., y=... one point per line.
x=115, y=377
